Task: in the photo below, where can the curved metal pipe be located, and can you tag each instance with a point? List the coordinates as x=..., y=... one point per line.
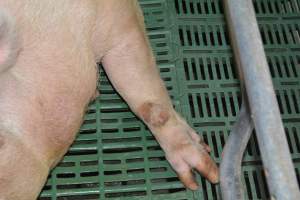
x=249, y=51
x=230, y=169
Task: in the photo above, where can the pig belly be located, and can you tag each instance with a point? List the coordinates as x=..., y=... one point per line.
x=43, y=96
x=41, y=112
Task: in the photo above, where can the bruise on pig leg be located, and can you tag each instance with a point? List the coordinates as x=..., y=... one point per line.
x=153, y=114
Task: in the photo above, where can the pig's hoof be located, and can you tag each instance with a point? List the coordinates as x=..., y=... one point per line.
x=186, y=151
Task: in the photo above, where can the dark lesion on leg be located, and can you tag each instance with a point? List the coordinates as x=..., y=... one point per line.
x=153, y=114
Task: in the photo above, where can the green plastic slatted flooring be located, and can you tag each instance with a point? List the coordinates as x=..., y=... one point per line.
x=116, y=157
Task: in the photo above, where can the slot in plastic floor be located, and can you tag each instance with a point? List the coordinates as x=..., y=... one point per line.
x=116, y=157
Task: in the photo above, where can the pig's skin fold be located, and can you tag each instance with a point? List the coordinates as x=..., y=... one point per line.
x=45, y=90
x=9, y=41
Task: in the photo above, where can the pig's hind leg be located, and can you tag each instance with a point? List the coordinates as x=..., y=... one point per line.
x=131, y=67
x=22, y=174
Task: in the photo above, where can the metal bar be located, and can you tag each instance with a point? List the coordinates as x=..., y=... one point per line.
x=249, y=52
x=230, y=169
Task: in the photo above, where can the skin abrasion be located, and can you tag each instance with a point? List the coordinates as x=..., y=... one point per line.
x=154, y=114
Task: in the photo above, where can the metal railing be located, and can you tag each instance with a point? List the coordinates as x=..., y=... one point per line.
x=263, y=111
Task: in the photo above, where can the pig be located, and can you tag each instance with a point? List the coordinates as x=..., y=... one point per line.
x=49, y=52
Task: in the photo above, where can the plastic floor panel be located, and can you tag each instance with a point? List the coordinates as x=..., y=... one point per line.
x=116, y=157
